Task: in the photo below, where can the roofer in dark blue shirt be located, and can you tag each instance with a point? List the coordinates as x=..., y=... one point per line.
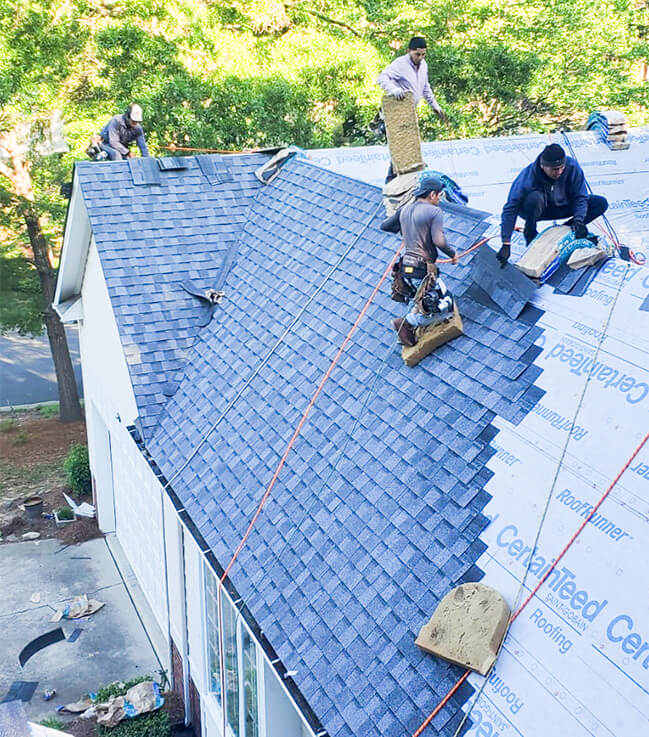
x=551, y=187
x=120, y=132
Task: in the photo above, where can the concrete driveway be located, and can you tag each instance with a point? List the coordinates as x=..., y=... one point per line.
x=112, y=644
x=27, y=371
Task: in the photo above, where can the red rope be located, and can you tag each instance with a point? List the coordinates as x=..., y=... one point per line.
x=446, y=698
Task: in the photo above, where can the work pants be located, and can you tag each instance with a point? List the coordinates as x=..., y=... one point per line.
x=113, y=153
x=534, y=209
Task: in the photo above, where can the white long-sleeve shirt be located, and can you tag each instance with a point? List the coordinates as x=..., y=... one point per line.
x=402, y=74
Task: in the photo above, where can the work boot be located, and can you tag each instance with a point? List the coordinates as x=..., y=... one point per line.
x=405, y=332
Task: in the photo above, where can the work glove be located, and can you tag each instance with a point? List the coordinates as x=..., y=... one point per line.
x=579, y=229
x=399, y=94
x=440, y=113
x=504, y=254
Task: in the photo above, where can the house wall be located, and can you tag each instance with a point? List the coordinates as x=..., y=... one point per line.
x=165, y=559
x=110, y=402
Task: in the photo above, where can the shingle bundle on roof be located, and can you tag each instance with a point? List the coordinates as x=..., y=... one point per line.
x=611, y=127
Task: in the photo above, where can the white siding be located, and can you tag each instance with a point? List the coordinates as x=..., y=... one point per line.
x=107, y=386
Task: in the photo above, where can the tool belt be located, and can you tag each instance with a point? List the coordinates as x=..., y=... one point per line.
x=404, y=271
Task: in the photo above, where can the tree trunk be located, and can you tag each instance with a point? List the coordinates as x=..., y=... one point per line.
x=69, y=405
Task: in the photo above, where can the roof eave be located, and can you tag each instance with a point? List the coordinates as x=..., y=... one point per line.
x=76, y=243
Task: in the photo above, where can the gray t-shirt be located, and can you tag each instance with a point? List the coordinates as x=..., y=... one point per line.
x=422, y=227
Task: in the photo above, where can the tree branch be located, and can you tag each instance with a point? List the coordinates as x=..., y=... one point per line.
x=333, y=22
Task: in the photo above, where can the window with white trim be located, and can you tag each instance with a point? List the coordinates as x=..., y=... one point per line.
x=240, y=663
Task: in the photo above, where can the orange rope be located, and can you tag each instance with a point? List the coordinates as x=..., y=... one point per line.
x=173, y=147
x=534, y=591
x=290, y=444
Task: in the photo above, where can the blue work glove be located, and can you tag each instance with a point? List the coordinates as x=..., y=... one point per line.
x=579, y=229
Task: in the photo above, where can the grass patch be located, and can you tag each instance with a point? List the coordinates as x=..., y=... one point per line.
x=16, y=479
x=20, y=437
x=49, y=410
x=52, y=723
x=8, y=425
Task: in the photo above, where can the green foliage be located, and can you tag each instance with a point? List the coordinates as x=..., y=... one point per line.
x=77, y=469
x=8, y=425
x=53, y=723
x=118, y=688
x=255, y=73
x=153, y=724
x=49, y=410
x=65, y=513
x=20, y=437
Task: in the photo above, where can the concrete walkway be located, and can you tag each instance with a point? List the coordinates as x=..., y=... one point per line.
x=112, y=644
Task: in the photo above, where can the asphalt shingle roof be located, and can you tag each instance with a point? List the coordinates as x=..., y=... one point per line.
x=152, y=238
x=378, y=511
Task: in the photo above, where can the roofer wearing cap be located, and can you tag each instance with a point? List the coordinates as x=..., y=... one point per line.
x=552, y=187
x=409, y=73
x=121, y=131
x=421, y=224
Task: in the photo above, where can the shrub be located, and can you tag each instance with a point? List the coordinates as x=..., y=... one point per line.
x=77, y=468
x=64, y=513
x=153, y=724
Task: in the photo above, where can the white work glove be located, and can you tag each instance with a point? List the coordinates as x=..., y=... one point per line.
x=399, y=94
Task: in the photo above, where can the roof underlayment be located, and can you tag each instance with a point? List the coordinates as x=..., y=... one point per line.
x=381, y=507
x=575, y=660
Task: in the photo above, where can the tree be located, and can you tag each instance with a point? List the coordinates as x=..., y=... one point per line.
x=16, y=171
x=232, y=75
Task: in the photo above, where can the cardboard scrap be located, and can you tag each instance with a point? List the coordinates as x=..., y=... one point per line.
x=80, y=606
x=76, y=707
x=585, y=257
x=80, y=510
x=139, y=699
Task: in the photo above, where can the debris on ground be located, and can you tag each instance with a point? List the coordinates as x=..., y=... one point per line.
x=139, y=699
x=80, y=606
x=80, y=510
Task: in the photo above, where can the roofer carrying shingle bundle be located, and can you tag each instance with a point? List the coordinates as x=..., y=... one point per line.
x=119, y=133
x=421, y=223
x=552, y=186
x=409, y=73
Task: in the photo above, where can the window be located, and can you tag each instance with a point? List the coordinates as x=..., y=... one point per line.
x=239, y=662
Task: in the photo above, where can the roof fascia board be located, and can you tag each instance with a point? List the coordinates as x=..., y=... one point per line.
x=76, y=243
x=71, y=310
